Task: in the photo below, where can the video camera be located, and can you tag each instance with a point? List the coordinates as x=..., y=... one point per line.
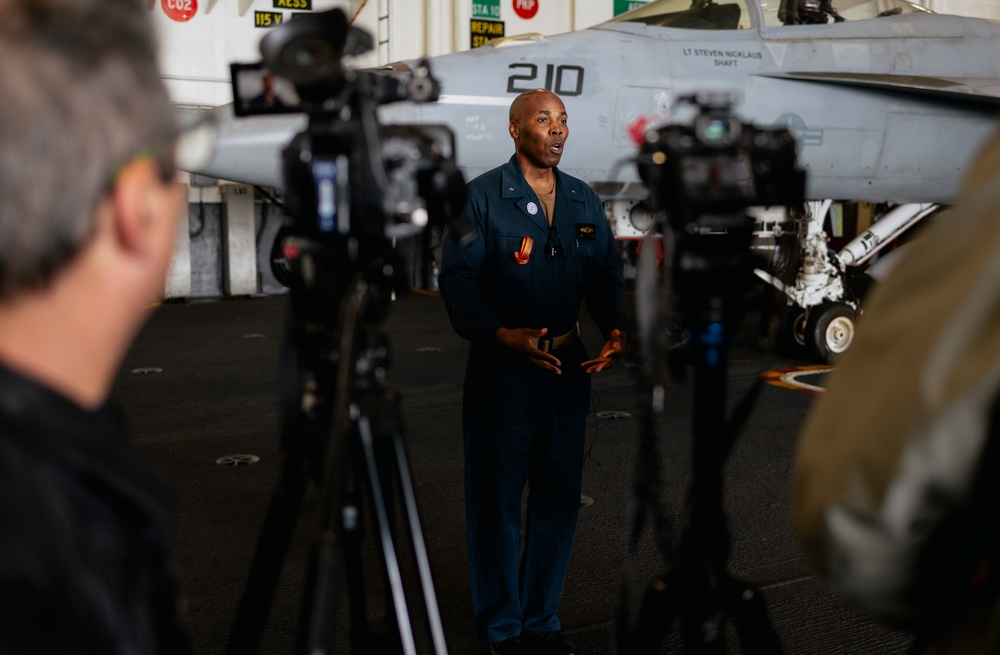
x=718, y=165
x=347, y=175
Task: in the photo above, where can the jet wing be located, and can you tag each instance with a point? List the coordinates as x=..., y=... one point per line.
x=970, y=89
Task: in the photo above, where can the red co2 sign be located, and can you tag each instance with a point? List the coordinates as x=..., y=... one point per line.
x=180, y=10
x=526, y=8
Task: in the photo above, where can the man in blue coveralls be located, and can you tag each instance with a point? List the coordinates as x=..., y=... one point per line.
x=543, y=246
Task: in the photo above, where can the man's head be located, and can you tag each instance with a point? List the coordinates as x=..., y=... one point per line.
x=539, y=127
x=80, y=99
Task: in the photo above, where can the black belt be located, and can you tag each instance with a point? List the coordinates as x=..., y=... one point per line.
x=548, y=344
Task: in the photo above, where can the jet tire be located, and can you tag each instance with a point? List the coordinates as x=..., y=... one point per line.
x=792, y=333
x=280, y=267
x=830, y=330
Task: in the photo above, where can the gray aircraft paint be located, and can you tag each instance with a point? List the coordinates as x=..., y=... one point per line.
x=885, y=109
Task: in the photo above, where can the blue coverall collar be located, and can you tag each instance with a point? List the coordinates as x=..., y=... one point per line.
x=516, y=188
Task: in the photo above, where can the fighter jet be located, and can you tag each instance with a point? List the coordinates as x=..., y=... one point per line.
x=888, y=102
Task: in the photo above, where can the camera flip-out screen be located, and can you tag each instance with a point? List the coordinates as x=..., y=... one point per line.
x=256, y=90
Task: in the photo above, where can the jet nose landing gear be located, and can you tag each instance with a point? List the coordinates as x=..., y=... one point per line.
x=824, y=299
x=820, y=332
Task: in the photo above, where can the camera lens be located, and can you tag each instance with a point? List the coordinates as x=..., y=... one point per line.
x=716, y=129
x=307, y=50
x=309, y=55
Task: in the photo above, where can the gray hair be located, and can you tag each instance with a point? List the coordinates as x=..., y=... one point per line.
x=80, y=93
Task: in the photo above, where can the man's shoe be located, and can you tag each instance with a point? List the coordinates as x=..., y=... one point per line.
x=510, y=646
x=549, y=643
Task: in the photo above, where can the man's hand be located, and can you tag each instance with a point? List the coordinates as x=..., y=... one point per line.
x=612, y=350
x=518, y=341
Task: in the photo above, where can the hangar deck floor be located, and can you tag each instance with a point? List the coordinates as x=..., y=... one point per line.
x=217, y=396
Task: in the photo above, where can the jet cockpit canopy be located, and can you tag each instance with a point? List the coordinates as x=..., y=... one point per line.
x=734, y=14
x=818, y=12
x=691, y=14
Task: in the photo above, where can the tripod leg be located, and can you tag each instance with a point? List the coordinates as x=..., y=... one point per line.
x=659, y=608
x=699, y=586
x=746, y=607
x=341, y=536
x=272, y=548
x=703, y=627
x=353, y=534
x=392, y=568
x=419, y=547
x=298, y=429
x=320, y=595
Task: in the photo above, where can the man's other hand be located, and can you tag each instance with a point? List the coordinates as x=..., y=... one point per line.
x=612, y=350
x=518, y=340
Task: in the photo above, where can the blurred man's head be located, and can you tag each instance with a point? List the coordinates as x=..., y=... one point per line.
x=88, y=206
x=81, y=99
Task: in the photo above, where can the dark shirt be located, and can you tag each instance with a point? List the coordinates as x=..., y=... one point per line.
x=84, y=529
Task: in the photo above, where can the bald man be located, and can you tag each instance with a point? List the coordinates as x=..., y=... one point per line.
x=544, y=248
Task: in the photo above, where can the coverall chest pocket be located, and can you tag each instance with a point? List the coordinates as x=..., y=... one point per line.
x=514, y=263
x=584, y=250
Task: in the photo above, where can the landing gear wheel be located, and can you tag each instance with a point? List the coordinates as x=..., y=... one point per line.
x=792, y=335
x=830, y=329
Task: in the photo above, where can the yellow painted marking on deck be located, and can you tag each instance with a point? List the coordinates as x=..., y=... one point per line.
x=788, y=378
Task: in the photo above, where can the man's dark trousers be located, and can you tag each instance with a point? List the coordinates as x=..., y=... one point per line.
x=521, y=425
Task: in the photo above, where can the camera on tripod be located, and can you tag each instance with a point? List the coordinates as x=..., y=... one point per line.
x=705, y=174
x=718, y=165
x=352, y=187
x=347, y=175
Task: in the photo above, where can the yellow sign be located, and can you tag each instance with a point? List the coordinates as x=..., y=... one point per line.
x=484, y=30
x=266, y=18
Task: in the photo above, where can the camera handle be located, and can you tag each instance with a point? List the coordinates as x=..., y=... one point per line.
x=711, y=274
x=342, y=431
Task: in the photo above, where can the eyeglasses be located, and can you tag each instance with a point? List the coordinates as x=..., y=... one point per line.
x=187, y=147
